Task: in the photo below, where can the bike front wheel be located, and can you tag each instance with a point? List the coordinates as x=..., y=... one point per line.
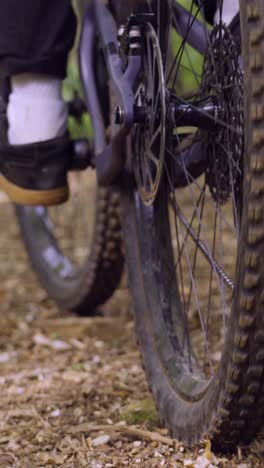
x=76, y=249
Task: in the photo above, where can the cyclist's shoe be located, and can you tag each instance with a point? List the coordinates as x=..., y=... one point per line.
x=36, y=174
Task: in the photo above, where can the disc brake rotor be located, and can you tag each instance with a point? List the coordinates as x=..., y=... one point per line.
x=149, y=134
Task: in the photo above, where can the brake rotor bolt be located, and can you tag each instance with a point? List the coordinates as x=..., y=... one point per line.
x=135, y=37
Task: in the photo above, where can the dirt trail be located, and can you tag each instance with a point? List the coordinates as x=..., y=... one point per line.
x=73, y=393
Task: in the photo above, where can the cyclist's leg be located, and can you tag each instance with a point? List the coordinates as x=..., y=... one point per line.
x=210, y=10
x=36, y=111
x=35, y=38
x=229, y=10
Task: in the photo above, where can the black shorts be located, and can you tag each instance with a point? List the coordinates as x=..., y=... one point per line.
x=35, y=36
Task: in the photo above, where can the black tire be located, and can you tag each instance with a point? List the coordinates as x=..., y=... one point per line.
x=77, y=286
x=226, y=406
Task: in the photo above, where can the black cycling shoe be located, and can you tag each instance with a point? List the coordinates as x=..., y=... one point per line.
x=36, y=174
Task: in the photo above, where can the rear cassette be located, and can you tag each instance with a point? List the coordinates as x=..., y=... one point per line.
x=223, y=79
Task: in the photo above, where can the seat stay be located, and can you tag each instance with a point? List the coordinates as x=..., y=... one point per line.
x=109, y=158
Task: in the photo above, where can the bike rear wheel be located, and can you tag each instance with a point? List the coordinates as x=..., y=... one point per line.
x=194, y=232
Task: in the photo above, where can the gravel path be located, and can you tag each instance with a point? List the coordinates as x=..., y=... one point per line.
x=73, y=393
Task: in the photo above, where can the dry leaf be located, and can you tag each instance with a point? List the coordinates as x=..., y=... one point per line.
x=103, y=439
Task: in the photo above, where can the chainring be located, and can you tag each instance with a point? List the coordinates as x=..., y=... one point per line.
x=223, y=79
x=149, y=134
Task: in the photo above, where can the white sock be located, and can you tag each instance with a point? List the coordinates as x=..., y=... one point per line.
x=230, y=9
x=36, y=111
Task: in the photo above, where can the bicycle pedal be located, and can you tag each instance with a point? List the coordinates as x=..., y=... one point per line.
x=76, y=107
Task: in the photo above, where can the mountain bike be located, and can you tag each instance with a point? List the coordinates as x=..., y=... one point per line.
x=180, y=134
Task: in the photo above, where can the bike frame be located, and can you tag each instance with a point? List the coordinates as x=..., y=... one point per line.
x=110, y=158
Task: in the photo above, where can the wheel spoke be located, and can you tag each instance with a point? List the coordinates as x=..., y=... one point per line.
x=155, y=135
x=153, y=158
x=206, y=251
